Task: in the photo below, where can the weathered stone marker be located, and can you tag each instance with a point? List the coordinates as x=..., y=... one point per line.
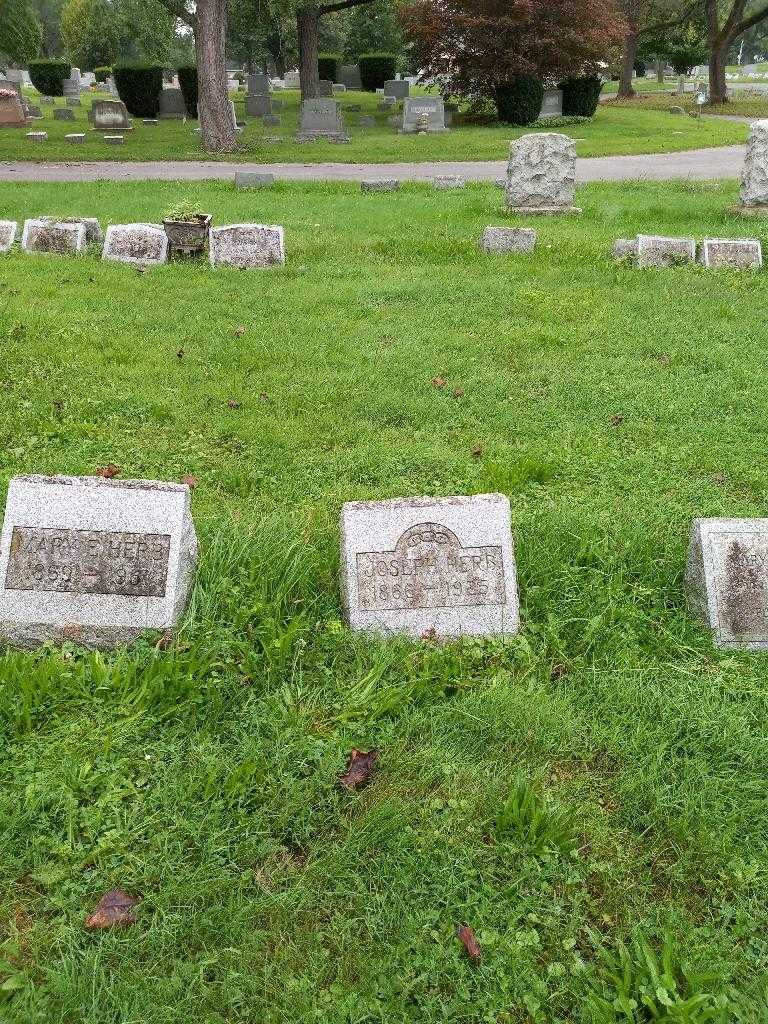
x=61, y=237
x=380, y=184
x=754, y=176
x=659, y=251
x=110, y=115
x=144, y=244
x=739, y=254
x=63, y=114
x=625, y=249
x=172, y=105
x=726, y=580
x=321, y=119
x=75, y=138
x=253, y=179
x=8, y=229
x=93, y=232
x=551, y=104
x=541, y=174
x=423, y=114
x=430, y=566
x=397, y=88
x=93, y=561
x=11, y=109
x=37, y=136
x=446, y=181
x=508, y=239
x=246, y=246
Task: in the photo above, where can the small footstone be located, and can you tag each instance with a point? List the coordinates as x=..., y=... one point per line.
x=253, y=179
x=93, y=232
x=247, y=246
x=738, y=254
x=37, y=136
x=74, y=138
x=449, y=181
x=143, y=244
x=726, y=580
x=380, y=185
x=430, y=567
x=63, y=114
x=149, y=121
x=8, y=229
x=659, y=251
x=93, y=561
x=270, y=120
x=677, y=110
x=114, y=140
x=34, y=111
x=73, y=101
x=625, y=248
x=60, y=237
x=367, y=122
x=508, y=239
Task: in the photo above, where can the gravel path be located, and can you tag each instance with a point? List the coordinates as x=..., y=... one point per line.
x=720, y=162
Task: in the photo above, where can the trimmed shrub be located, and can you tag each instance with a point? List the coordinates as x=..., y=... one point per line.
x=48, y=75
x=376, y=69
x=102, y=74
x=519, y=100
x=640, y=68
x=328, y=66
x=188, y=86
x=581, y=96
x=139, y=87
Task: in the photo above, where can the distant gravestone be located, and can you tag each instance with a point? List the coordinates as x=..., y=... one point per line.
x=8, y=229
x=110, y=115
x=270, y=120
x=380, y=184
x=74, y=101
x=541, y=174
x=398, y=89
x=93, y=232
x=366, y=121
x=93, y=561
x=247, y=246
x=63, y=114
x=37, y=136
x=661, y=251
x=447, y=181
x=34, y=111
x=754, y=177
x=11, y=111
x=172, y=105
x=47, y=101
x=349, y=75
x=258, y=105
x=423, y=114
x=113, y=140
x=75, y=138
x=292, y=80
x=60, y=237
x=321, y=119
x=625, y=249
x=430, y=567
x=726, y=580
x=551, y=104
x=737, y=254
x=508, y=239
x=71, y=87
x=258, y=85
x=253, y=179
x=142, y=244
x=339, y=88
x=388, y=103
x=325, y=88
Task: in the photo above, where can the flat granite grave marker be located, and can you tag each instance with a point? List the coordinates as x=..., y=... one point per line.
x=441, y=567
x=63, y=114
x=247, y=246
x=446, y=181
x=541, y=174
x=738, y=254
x=625, y=249
x=253, y=179
x=93, y=561
x=75, y=138
x=508, y=239
x=423, y=114
x=172, y=105
x=60, y=237
x=74, y=101
x=659, y=251
x=143, y=244
x=379, y=184
x=113, y=140
x=93, y=232
x=37, y=136
x=110, y=115
x=321, y=119
x=726, y=580
x=8, y=229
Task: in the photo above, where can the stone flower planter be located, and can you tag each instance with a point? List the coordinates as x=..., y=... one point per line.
x=188, y=237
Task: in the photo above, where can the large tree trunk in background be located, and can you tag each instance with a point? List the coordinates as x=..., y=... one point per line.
x=308, y=23
x=628, y=57
x=660, y=71
x=718, y=56
x=217, y=131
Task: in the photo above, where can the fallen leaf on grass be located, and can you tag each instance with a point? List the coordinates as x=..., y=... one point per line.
x=557, y=671
x=114, y=910
x=617, y=420
x=264, y=397
x=439, y=382
x=180, y=354
x=466, y=937
x=190, y=481
x=664, y=359
x=359, y=769
x=107, y=471
x=458, y=392
x=232, y=404
x=477, y=451
x=165, y=641
x=240, y=331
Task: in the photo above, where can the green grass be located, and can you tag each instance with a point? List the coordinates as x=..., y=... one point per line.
x=589, y=797
x=612, y=131
x=738, y=104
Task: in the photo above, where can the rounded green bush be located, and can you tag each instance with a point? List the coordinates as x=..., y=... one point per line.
x=48, y=76
x=139, y=87
x=376, y=69
x=102, y=74
x=328, y=66
x=519, y=100
x=188, y=86
x=581, y=96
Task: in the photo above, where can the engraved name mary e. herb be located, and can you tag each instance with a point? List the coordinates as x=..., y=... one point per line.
x=88, y=561
x=429, y=568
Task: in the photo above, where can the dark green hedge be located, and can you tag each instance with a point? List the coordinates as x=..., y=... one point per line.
x=328, y=66
x=48, y=75
x=139, y=87
x=581, y=96
x=102, y=74
x=188, y=85
x=376, y=69
x=519, y=100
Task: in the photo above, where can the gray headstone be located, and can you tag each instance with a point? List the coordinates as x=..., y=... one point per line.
x=93, y=232
x=321, y=119
x=551, y=104
x=258, y=105
x=508, y=239
x=339, y=88
x=738, y=254
x=47, y=101
x=726, y=580
x=398, y=89
x=34, y=111
x=380, y=185
x=423, y=113
x=253, y=179
x=258, y=85
x=446, y=181
x=625, y=249
x=37, y=136
x=660, y=251
x=60, y=237
x=247, y=246
x=754, y=177
x=172, y=106
x=8, y=229
x=325, y=88
x=349, y=75
x=680, y=111
x=270, y=120
x=149, y=121
x=110, y=115
x=367, y=122
x=75, y=138
x=63, y=114
x=74, y=101
x=93, y=561
x=113, y=140
x=388, y=103
x=142, y=244
x=71, y=87
x=292, y=80
x=541, y=175
x=440, y=567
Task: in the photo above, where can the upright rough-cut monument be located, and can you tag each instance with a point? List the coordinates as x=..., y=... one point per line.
x=754, y=176
x=541, y=175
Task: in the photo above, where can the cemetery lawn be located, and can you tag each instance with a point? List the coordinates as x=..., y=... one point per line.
x=754, y=105
x=589, y=797
x=613, y=130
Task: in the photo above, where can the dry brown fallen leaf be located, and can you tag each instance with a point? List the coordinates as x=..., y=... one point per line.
x=180, y=354
x=458, y=392
x=617, y=420
x=439, y=382
x=107, y=471
x=466, y=937
x=664, y=359
x=114, y=910
x=477, y=451
x=264, y=397
x=190, y=481
x=240, y=331
x=232, y=404
x=359, y=769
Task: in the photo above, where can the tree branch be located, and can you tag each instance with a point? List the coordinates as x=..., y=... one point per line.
x=178, y=9
x=661, y=26
x=749, y=22
x=342, y=5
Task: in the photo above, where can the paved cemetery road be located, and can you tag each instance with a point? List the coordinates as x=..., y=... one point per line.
x=720, y=162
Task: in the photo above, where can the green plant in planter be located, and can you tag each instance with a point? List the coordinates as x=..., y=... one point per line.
x=183, y=210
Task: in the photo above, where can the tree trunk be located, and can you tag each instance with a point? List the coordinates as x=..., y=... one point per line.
x=718, y=57
x=308, y=23
x=217, y=132
x=628, y=57
x=660, y=72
